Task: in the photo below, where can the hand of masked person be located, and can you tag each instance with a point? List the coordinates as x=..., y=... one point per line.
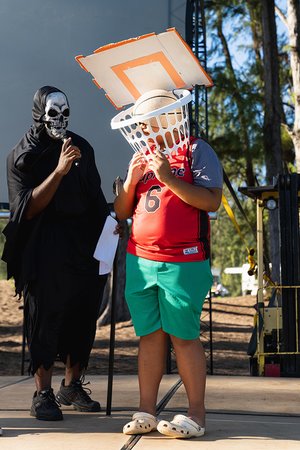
x=69, y=154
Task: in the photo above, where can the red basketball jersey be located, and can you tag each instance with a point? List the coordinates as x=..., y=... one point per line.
x=164, y=227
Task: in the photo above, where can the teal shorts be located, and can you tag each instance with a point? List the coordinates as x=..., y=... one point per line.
x=167, y=296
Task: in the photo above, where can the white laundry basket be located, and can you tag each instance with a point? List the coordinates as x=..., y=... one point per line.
x=171, y=122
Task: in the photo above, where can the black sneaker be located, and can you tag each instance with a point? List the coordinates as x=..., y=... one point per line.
x=45, y=406
x=78, y=396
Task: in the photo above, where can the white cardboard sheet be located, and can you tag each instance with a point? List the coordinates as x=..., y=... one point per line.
x=127, y=69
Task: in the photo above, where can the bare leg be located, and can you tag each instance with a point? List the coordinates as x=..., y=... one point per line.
x=151, y=363
x=43, y=378
x=191, y=365
x=71, y=372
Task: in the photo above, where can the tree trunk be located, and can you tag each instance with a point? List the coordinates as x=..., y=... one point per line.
x=272, y=121
x=272, y=117
x=254, y=8
x=293, y=22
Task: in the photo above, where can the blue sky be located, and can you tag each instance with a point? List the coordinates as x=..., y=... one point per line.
x=237, y=45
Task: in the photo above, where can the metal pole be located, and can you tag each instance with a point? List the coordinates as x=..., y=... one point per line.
x=112, y=338
x=260, y=273
x=210, y=335
x=260, y=249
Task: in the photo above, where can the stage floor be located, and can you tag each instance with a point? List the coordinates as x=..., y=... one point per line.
x=242, y=413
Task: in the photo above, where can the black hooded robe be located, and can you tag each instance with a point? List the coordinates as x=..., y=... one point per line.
x=51, y=255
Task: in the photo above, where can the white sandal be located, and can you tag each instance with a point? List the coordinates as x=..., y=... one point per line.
x=180, y=427
x=141, y=423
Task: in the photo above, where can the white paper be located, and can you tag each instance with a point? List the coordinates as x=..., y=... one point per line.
x=107, y=246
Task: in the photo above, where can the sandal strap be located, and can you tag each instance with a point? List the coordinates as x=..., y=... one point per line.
x=144, y=416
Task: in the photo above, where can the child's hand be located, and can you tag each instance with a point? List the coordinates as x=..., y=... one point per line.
x=120, y=230
x=136, y=168
x=161, y=166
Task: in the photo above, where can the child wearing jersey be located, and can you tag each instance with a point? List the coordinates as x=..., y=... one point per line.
x=168, y=272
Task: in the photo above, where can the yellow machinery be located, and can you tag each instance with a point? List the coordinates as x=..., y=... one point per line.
x=275, y=343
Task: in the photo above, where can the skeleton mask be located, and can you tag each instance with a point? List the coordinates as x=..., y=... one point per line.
x=56, y=117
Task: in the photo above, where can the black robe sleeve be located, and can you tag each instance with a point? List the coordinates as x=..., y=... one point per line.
x=18, y=229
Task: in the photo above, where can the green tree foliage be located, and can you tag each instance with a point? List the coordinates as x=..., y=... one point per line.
x=235, y=92
x=236, y=113
x=235, y=102
x=228, y=246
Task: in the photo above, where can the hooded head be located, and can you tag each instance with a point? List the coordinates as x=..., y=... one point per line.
x=51, y=108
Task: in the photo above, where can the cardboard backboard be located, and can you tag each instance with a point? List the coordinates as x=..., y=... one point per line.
x=127, y=69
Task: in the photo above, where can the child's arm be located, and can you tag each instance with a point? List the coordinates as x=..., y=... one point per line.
x=125, y=201
x=207, y=199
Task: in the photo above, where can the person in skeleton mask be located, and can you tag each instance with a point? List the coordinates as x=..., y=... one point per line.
x=57, y=214
x=172, y=182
